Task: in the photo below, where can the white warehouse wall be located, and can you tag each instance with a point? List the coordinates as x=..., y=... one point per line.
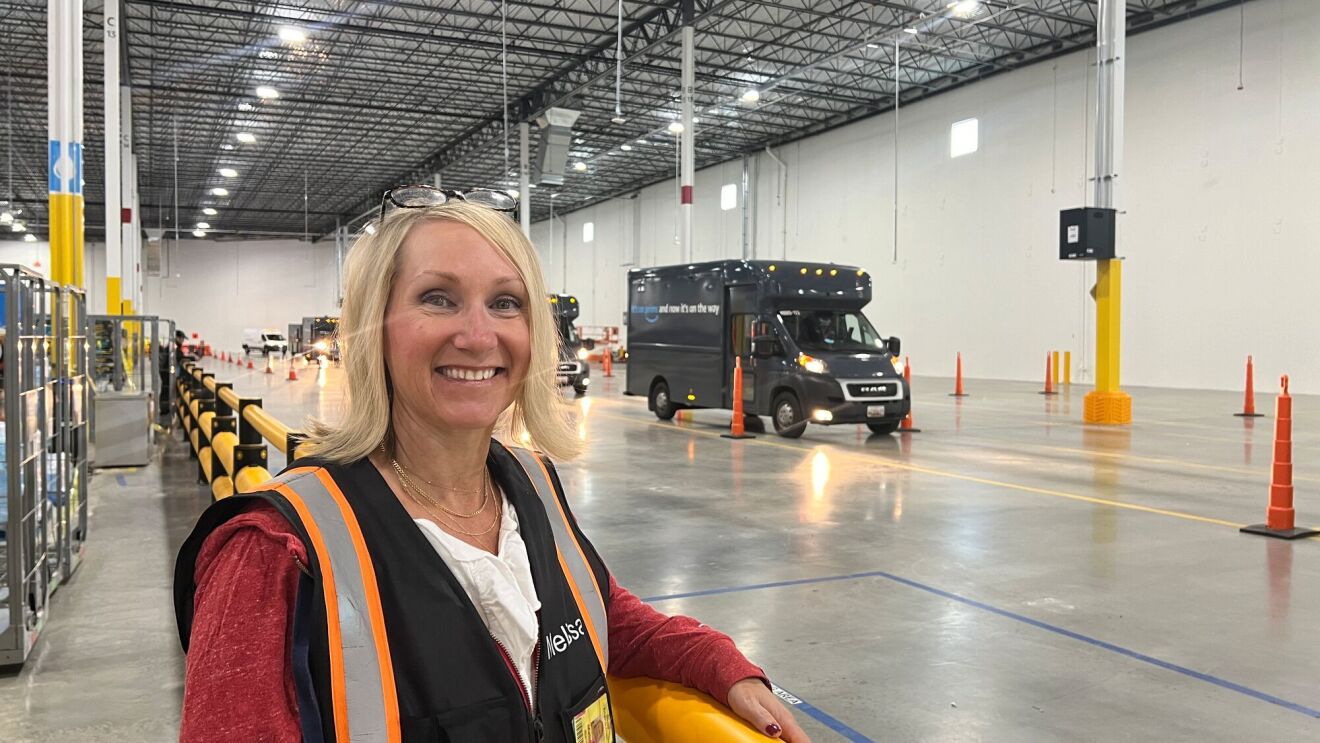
x=1218, y=186
x=219, y=288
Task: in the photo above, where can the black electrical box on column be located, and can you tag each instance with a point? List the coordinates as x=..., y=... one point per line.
x=1086, y=234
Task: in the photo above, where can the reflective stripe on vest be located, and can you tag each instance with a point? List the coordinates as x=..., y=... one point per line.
x=572, y=560
x=363, y=694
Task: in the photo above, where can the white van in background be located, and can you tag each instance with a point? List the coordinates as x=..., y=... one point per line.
x=264, y=341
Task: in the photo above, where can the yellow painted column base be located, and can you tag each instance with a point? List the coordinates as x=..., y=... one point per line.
x=1113, y=408
x=650, y=711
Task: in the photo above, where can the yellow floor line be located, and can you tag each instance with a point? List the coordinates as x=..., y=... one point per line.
x=951, y=475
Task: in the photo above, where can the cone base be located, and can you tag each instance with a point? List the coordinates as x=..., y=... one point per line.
x=1047, y=392
x=1249, y=415
x=908, y=430
x=960, y=394
x=1265, y=531
x=740, y=436
x=1110, y=408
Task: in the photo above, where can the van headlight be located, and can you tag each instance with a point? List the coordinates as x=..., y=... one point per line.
x=321, y=346
x=582, y=354
x=812, y=364
x=898, y=365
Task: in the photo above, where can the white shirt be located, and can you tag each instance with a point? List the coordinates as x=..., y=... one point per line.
x=500, y=586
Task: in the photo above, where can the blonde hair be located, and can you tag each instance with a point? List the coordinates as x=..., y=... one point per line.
x=538, y=417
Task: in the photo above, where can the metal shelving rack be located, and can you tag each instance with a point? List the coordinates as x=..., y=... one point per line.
x=44, y=504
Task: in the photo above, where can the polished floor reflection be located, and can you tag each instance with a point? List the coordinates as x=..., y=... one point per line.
x=1007, y=574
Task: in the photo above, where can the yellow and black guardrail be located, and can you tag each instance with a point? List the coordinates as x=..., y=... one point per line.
x=228, y=433
x=228, y=436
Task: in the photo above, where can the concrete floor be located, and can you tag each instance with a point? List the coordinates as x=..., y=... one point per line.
x=1008, y=574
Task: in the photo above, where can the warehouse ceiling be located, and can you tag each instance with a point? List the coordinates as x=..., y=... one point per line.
x=383, y=92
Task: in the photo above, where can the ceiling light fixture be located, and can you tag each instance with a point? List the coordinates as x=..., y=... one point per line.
x=210, y=211
x=676, y=127
x=17, y=226
x=292, y=35
x=872, y=46
x=964, y=8
x=226, y=146
x=246, y=137
x=750, y=96
x=228, y=172
x=370, y=228
x=513, y=193
x=219, y=191
x=267, y=92
x=912, y=31
x=203, y=225
x=626, y=147
x=29, y=238
x=619, y=120
x=580, y=166
x=245, y=106
x=199, y=233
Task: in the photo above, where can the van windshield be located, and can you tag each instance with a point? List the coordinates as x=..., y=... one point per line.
x=832, y=330
x=273, y=337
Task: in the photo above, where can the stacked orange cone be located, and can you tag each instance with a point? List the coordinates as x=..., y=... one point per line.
x=1280, y=518
x=737, y=430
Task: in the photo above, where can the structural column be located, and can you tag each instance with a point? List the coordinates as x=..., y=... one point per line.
x=64, y=82
x=525, y=178
x=113, y=204
x=689, y=133
x=1108, y=403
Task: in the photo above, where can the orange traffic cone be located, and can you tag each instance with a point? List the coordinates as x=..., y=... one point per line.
x=907, y=426
x=268, y=369
x=250, y=366
x=1049, y=378
x=1279, y=518
x=293, y=373
x=958, y=383
x=608, y=362
x=1249, y=404
x=736, y=428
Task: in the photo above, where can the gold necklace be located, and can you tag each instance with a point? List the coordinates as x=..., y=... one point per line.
x=414, y=489
x=497, y=520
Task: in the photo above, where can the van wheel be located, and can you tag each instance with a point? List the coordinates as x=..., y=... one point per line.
x=661, y=403
x=246, y=351
x=885, y=428
x=787, y=416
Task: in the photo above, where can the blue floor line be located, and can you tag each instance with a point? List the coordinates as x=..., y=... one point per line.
x=820, y=715
x=122, y=482
x=1142, y=657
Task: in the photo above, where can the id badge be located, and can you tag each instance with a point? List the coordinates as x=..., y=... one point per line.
x=593, y=724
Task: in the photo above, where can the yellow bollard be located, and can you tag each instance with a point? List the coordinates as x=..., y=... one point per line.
x=1067, y=367
x=1057, y=379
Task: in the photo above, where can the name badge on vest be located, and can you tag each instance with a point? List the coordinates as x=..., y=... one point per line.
x=593, y=724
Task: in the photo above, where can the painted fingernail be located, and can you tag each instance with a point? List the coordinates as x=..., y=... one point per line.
x=773, y=730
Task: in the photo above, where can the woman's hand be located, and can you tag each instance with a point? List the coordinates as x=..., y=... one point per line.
x=756, y=704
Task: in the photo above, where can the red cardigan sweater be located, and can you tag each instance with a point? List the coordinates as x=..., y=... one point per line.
x=239, y=682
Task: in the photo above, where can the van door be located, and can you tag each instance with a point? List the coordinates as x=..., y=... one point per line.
x=742, y=314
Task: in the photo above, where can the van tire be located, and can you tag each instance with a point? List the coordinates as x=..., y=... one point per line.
x=661, y=403
x=786, y=414
x=246, y=351
x=886, y=427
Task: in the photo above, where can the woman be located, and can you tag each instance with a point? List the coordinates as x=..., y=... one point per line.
x=414, y=579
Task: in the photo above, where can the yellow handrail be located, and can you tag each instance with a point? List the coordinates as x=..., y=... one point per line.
x=651, y=711
x=268, y=426
x=229, y=397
